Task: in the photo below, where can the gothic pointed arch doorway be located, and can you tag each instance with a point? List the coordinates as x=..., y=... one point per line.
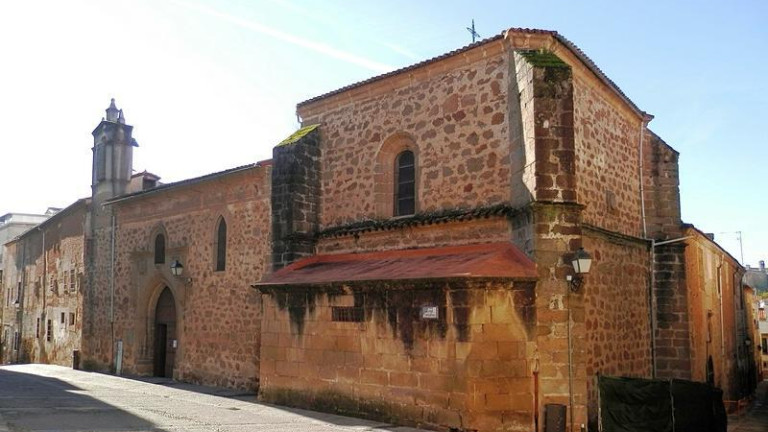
x=165, y=334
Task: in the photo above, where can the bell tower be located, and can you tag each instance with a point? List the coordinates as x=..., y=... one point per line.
x=112, y=156
x=111, y=174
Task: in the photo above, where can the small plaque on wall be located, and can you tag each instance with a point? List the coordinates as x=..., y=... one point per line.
x=429, y=312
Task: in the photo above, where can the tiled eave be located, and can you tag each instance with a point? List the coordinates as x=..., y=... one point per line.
x=419, y=219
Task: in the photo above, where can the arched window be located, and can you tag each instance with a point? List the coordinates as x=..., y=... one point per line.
x=221, y=245
x=159, y=249
x=405, y=184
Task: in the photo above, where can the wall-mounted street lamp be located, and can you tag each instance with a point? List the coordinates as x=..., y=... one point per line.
x=581, y=262
x=176, y=268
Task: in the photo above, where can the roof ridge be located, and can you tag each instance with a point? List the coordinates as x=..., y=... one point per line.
x=578, y=52
x=184, y=182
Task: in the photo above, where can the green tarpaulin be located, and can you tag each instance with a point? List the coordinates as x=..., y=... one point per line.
x=643, y=405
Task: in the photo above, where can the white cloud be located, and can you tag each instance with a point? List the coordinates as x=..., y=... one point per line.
x=292, y=39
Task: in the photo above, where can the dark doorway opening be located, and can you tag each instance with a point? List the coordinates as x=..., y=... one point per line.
x=165, y=334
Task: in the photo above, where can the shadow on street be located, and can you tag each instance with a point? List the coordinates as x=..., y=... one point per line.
x=30, y=402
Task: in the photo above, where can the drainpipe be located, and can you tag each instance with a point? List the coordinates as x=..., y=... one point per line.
x=45, y=291
x=652, y=309
x=652, y=298
x=643, y=126
x=21, y=293
x=570, y=358
x=722, y=321
x=45, y=274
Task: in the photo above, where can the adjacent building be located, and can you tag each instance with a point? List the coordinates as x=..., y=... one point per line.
x=762, y=341
x=12, y=225
x=716, y=316
x=757, y=278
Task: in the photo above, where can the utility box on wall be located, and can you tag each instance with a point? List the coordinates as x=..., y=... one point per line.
x=554, y=417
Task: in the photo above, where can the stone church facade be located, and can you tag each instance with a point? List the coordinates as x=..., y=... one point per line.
x=520, y=141
x=405, y=255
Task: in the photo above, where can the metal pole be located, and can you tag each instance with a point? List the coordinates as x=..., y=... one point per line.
x=741, y=247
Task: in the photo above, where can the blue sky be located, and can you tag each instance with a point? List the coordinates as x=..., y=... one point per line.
x=210, y=85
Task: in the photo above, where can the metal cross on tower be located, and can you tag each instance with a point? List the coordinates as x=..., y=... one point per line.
x=472, y=31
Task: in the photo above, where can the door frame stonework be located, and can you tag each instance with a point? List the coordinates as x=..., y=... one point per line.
x=151, y=309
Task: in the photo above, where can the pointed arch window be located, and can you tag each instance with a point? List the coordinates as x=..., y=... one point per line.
x=159, y=249
x=405, y=184
x=220, y=246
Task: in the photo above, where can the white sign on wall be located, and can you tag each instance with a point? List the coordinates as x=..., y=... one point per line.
x=429, y=312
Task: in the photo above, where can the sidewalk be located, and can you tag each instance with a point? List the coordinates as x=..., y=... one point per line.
x=755, y=419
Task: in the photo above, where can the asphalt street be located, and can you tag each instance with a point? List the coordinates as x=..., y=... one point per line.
x=52, y=398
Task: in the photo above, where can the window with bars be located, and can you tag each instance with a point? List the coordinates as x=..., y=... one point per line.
x=49, y=331
x=347, y=314
x=405, y=184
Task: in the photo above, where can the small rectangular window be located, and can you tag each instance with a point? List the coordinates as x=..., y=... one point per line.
x=347, y=314
x=49, y=331
x=72, y=280
x=63, y=317
x=71, y=318
x=37, y=330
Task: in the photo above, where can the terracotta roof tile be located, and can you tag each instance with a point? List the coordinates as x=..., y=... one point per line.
x=570, y=45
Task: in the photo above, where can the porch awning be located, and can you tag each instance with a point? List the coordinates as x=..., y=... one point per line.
x=487, y=260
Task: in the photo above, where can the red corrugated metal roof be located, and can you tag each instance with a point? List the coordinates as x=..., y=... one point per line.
x=497, y=260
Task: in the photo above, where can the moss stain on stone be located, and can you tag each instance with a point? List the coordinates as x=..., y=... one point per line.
x=398, y=305
x=543, y=58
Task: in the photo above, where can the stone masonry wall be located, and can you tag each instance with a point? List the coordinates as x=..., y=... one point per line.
x=661, y=188
x=552, y=99
x=51, y=259
x=98, y=343
x=8, y=309
x=561, y=336
x=673, y=325
x=455, y=119
x=616, y=297
x=295, y=196
x=607, y=144
x=218, y=315
x=468, y=369
x=560, y=331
